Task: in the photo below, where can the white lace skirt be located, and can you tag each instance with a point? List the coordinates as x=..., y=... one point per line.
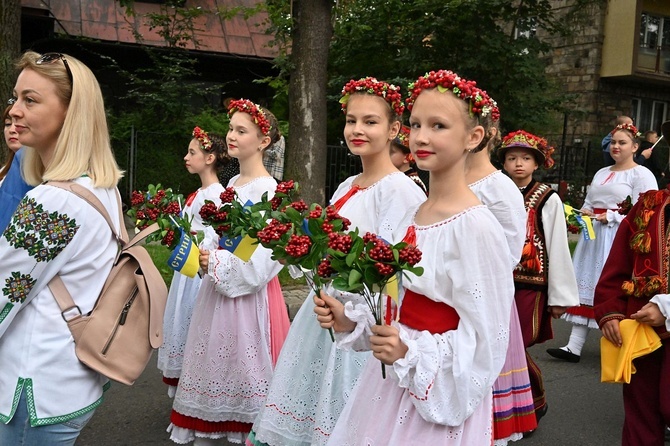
x=312, y=381
x=178, y=312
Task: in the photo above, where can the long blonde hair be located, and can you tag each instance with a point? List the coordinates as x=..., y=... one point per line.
x=83, y=146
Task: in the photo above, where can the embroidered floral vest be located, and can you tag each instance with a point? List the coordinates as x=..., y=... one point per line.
x=531, y=271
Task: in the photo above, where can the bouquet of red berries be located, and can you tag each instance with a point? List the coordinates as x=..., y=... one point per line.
x=236, y=219
x=162, y=206
x=366, y=265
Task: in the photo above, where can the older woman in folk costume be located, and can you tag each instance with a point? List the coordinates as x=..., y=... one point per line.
x=239, y=321
x=610, y=186
x=313, y=379
x=450, y=343
x=544, y=278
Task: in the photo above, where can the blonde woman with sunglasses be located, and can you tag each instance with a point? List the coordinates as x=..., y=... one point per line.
x=46, y=394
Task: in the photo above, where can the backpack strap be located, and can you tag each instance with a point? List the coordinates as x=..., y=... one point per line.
x=91, y=199
x=69, y=310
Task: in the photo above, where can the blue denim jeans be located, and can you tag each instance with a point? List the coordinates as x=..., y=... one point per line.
x=19, y=432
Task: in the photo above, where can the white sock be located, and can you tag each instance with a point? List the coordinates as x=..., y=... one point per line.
x=172, y=390
x=577, y=339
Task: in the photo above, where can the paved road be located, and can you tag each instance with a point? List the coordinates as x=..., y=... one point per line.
x=582, y=411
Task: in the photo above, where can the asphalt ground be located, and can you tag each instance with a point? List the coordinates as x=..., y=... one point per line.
x=582, y=411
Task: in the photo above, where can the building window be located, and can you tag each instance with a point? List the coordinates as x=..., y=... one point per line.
x=649, y=114
x=654, y=51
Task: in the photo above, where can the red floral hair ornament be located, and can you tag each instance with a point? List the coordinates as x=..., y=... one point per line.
x=203, y=138
x=630, y=127
x=539, y=146
x=480, y=103
x=246, y=106
x=370, y=85
x=403, y=136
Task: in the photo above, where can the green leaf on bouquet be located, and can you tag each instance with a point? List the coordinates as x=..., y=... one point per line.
x=355, y=278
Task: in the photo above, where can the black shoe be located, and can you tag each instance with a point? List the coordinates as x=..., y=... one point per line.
x=565, y=355
x=539, y=413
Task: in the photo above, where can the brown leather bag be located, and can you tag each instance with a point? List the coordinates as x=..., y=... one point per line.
x=119, y=335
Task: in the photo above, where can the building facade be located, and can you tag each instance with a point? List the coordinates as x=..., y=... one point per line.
x=617, y=63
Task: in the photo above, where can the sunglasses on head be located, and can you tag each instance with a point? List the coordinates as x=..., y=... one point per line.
x=50, y=58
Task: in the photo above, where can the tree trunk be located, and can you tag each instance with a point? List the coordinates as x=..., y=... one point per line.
x=306, y=151
x=10, y=47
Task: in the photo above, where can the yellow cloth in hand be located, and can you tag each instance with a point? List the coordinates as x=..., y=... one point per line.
x=617, y=362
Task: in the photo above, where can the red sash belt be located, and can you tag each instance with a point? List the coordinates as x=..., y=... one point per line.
x=420, y=313
x=597, y=211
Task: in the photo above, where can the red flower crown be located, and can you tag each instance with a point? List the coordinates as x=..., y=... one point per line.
x=630, y=127
x=246, y=106
x=479, y=101
x=526, y=140
x=203, y=138
x=370, y=85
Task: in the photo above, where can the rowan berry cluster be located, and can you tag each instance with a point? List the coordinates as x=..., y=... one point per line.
x=381, y=252
x=384, y=269
x=169, y=238
x=273, y=231
x=410, y=254
x=332, y=214
x=285, y=187
x=325, y=269
x=228, y=195
x=316, y=212
x=339, y=242
x=299, y=206
x=162, y=206
x=298, y=245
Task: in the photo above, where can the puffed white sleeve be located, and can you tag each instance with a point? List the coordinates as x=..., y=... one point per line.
x=396, y=197
x=507, y=205
x=39, y=240
x=663, y=302
x=449, y=374
x=234, y=277
x=561, y=273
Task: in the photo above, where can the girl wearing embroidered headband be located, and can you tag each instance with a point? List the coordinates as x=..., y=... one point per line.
x=240, y=318
x=610, y=186
x=46, y=394
x=305, y=401
x=205, y=156
x=447, y=348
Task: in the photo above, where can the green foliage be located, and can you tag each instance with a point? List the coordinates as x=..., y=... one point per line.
x=398, y=41
x=160, y=257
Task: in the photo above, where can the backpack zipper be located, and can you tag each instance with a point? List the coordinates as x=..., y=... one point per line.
x=122, y=320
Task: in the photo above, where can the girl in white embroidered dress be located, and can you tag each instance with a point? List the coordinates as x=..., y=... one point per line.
x=229, y=353
x=46, y=395
x=313, y=379
x=438, y=388
x=206, y=156
x=610, y=186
